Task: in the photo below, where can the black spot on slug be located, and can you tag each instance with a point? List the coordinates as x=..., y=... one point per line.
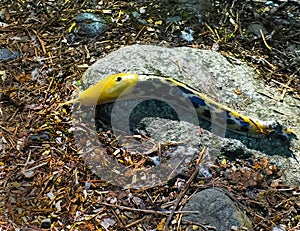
x=230, y=121
x=206, y=113
x=118, y=79
x=244, y=129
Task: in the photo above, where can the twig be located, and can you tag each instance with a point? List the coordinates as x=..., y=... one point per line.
x=138, y=34
x=188, y=183
x=135, y=222
x=282, y=84
x=13, y=115
x=267, y=95
x=264, y=39
x=200, y=156
x=48, y=89
x=4, y=129
x=212, y=31
x=281, y=112
x=285, y=90
x=204, y=227
x=180, y=67
x=196, y=170
x=162, y=184
x=120, y=220
x=146, y=211
x=34, y=167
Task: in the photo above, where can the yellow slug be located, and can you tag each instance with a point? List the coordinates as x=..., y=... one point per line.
x=130, y=86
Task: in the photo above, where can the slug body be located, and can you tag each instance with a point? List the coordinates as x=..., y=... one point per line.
x=130, y=86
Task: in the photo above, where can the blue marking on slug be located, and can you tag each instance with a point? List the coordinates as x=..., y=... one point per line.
x=228, y=116
x=244, y=124
x=241, y=122
x=230, y=121
x=197, y=101
x=184, y=90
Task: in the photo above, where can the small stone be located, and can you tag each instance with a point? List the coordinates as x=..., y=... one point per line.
x=280, y=227
x=107, y=222
x=142, y=21
x=156, y=160
x=135, y=14
x=6, y=54
x=2, y=16
x=143, y=10
x=187, y=34
x=89, y=25
x=46, y=223
x=173, y=19
x=234, y=228
x=87, y=185
x=217, y=209
x=271, y=3
x=17, y=185
x=196, y=7
x=255, y=28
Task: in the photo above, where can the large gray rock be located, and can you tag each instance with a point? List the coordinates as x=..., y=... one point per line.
x=217, y=209
x=210, y=72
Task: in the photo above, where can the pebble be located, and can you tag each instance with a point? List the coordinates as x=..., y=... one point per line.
x=216, y=208
x=6, y=54
x=280, y=227
x=255, y=28
x=46, y=223
x=173, y=19
x=187, y=34
x=89, y=25
x=135, y=14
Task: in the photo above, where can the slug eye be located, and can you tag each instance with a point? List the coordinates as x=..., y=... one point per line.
x=118, y=79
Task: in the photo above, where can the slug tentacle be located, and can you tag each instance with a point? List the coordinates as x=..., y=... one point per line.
x=69, y=102
x=73, y=100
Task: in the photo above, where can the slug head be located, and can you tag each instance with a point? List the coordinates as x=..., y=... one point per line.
x=108, y=89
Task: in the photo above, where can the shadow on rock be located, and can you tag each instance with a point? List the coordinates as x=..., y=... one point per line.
x=154, y=108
